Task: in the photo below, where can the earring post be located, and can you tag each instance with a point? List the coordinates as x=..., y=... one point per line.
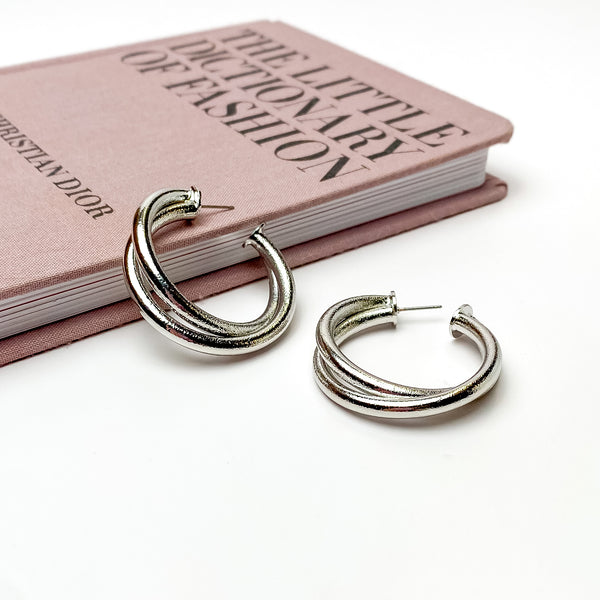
x=420, y=307
x=221, y=206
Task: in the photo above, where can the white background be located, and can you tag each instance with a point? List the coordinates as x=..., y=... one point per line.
x=132, y=469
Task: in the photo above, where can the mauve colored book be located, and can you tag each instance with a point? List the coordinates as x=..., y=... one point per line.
x=329, y=149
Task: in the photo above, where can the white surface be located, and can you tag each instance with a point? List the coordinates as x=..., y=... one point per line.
x=131, y=469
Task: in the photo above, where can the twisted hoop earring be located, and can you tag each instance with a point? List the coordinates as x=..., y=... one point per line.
x=186, y=323
x=354, y=388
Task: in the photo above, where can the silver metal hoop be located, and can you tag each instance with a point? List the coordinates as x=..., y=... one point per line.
x=183, y=321
x=354, y=388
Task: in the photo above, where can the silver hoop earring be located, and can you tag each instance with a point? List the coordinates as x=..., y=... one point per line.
x=354, y=388
x=187, y=324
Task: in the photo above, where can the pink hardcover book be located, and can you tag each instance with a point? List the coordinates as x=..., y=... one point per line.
x=329, y=149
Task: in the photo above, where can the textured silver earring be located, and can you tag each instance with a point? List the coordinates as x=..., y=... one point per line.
x=184, y=322
x=354, y=388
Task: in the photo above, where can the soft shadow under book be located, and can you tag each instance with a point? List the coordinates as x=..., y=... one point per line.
x=328, y=148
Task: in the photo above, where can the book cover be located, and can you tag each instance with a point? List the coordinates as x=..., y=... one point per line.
x=260, y=116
